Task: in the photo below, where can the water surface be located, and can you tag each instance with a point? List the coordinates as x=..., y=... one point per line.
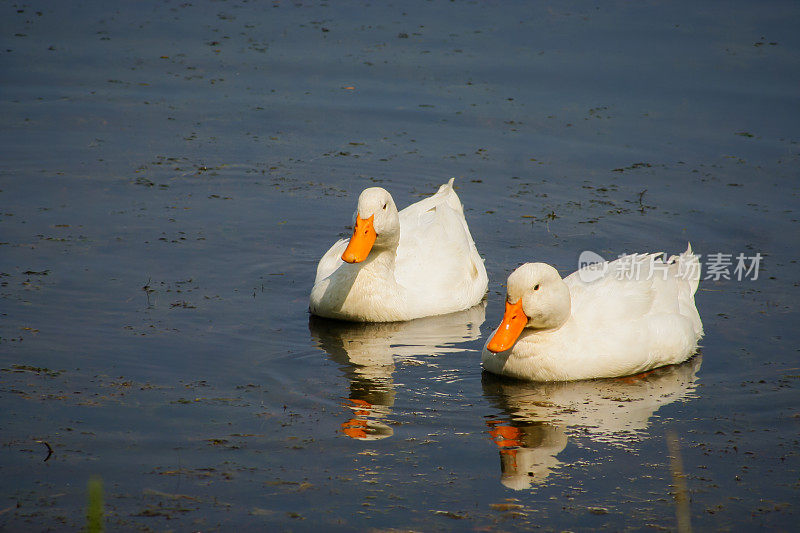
x=172, y=172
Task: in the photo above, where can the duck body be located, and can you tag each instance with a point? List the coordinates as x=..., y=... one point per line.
x=607, y=320
x=421, y=261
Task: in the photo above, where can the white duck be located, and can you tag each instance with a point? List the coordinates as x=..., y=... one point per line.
x=605, y=320
x=419, y=262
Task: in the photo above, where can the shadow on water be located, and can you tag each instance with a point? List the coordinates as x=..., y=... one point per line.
x=368, y=355
x=539, y=418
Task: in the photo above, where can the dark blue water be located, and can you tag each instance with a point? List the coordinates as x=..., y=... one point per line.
x=172, y=172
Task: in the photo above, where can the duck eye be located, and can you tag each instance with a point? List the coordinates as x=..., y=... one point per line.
x=384, y=206
x=536, y=287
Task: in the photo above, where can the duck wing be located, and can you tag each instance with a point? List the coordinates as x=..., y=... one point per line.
x=436, y=256
x=642, y=304
x=331, y=260
x=623, y=292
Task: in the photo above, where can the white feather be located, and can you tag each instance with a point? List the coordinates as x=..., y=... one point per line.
x=434, y=269
x=628, y=320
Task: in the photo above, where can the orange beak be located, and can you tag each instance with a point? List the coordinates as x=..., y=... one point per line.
x=362, y=240
x=514, y=321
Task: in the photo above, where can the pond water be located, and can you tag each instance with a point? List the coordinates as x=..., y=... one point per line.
x=171, y=173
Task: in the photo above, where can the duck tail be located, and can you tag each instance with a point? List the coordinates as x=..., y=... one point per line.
x=451, y=198
x=447, y=188
x=688, y=267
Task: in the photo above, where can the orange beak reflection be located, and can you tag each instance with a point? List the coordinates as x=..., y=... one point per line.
x=362, y=240
x=514, y=321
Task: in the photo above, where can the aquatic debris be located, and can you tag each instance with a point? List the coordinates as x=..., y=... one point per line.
x=49, y=450
x=166, y=512
x=505, y=506
x=35, y=273
x=450, y=514
x=183, y=304
x=632, y=167
x=34, y=369
x=641, y=205
x=171, y=496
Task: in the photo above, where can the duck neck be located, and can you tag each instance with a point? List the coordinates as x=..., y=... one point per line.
x=373, y=286
x=531, y=333
x=380, y=260
x=374, y=275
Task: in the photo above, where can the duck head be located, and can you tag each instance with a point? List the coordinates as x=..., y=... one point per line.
x=536, y=298
x=376, y=225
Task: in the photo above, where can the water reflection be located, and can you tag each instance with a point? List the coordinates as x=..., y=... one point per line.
x=368, y=355
x=538, y=417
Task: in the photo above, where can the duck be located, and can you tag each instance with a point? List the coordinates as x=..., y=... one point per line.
x=399, y=266
x=606, y=320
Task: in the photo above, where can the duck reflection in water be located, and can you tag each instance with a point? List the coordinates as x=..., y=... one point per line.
x=369, y=354
x=538, y=418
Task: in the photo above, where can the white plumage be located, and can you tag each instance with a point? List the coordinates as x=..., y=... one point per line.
x=423, y=263
x=606, y=320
